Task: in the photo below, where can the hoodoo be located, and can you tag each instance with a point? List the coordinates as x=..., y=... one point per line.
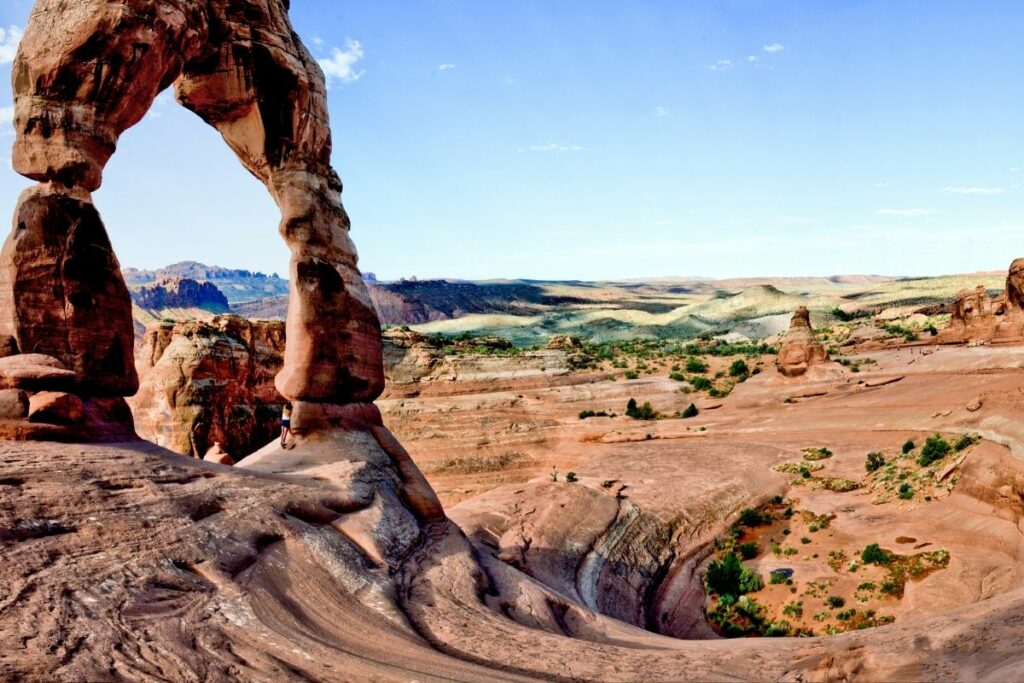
x=800, y=351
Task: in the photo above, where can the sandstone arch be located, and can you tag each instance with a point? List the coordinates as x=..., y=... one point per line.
x=88, y=70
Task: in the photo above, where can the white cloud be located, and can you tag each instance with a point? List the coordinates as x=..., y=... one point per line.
x=881, y=184
x=9, y=39
x=973, y=190
x=774, y=47
x=341, y=64
x=661, y=112
x=753, y=59
x=7, y=115
x=555, y=147
x=905, y=213
x=721, y=65
x=445, y=67
x=317, y=40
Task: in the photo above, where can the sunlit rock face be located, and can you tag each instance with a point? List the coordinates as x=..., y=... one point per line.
x=977, y=317
x=800, y=351
x=84, y=73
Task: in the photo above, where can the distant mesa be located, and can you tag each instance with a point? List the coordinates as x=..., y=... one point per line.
x=181, y=292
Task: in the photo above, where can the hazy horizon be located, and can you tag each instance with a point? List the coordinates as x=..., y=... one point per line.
x=602, y=141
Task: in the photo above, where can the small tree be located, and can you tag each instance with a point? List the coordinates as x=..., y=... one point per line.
x=691, y=411
x=739, y=368
x=631, y=408
x=908, y=446
x=694, y=364
x=873, y=554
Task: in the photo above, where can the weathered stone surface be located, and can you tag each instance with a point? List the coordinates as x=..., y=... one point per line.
x=978, y=317
x=216, y=454
x=55, y=407
x=13, y=404
x=800, y=350
x=208, y=382
x=35, y=371
x=86, y=73
x=8, y=346
x=61, y=292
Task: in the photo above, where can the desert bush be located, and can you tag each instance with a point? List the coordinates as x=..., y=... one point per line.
x=701, y=383
x=906, y=491
x=748, y=550
x=874, y=462
x=908, y=446
x=677, y=376
x=630, y=374
x=571, y=478
x=584, y=414
x=644, y=412
x=966, y=441
x=694, y=364
x=935, y=448
x=835, y=601
x=874, y=554
x=812, y=454
x=739, y=368
x=691, y=411
x=750, y=517
x=729, y=576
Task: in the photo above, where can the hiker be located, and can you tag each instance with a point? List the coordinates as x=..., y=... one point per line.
x=286, y=425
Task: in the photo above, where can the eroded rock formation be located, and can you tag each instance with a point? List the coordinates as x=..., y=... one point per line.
x=978, y=317
x=800, y=351
x=84, y=75
x=210, y=382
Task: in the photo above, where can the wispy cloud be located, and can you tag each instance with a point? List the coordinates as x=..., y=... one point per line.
x=661, y=112
x=9, y=39
x=318, y=41
x=721, y=65
x=554, y=147
x=905, y=213
x=753, y=59
x=445, y=67
x=774, y=47
x=341, y=64
x=973, y=190
x=7, y=115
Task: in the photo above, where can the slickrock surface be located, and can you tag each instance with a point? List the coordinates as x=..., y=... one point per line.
x=207, y=382
x=801, y=353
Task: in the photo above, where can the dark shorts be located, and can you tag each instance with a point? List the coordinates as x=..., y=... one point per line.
x=285, y=424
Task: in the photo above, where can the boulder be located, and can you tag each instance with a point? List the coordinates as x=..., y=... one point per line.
x=216, y=454
x=55, y=407
x=35, y=372
x=13, y=404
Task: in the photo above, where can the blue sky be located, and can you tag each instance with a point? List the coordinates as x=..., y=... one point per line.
x=589, y=139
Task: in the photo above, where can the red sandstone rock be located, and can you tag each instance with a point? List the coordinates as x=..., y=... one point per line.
x=35, y=371
x=207, y=382
x=55, y=407
x=216, y=454
x=13, y=404
x=800, y=350
x=977, y=317
x=85, y=74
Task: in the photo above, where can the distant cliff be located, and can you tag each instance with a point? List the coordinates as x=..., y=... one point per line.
x=181, y=293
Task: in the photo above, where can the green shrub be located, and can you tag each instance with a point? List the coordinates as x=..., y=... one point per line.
x=966, y=441
x=644, y=412
x=739, y=368
x=906, y=491
x=571, y=478
x=835, y=601
x=584, y=414
x=691, y=411
x=874, y=462
x=935, y=448
x=694, y=364
x=814, y=454
x=750, y=517
x=728, y=576
x=748, y=550
x=777, y=577
x=805, y=540
x=677, y=376
x=908, y=446
x=701, y=383
x=777, y=629
x=873, y=554
x=629, y=374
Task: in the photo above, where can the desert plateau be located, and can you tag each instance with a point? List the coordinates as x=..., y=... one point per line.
x=214, y=473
